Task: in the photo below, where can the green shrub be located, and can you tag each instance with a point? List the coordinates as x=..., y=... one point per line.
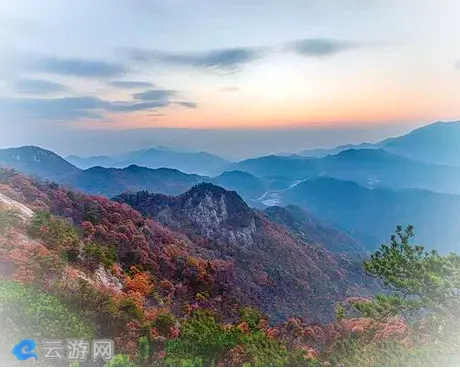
x=37, y=314
x=251, y=316
x=422, y=290
x=202, y=342
x=163, y=323
x=129, y=307
x=143, y=350
x=57, y=233
x=120, y=360
x=263, y=351
x=8, y=218
x=101, y=254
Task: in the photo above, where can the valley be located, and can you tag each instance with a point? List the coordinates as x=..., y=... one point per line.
x=284, y=235
x=229, y=183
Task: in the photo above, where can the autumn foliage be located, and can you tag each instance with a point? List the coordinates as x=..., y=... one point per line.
x=167, y=300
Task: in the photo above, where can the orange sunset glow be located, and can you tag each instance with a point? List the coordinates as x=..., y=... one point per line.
x=260, y=67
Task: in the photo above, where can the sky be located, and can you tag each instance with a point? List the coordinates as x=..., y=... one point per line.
x=232, y=77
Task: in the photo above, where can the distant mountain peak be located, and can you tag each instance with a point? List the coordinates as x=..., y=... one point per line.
x=200, y=163
x=442, y=123
x=139, y=168
x=359, y=151
x=236, y=173
x=436, y=143
x=368, y=153
x=31, y=150
x=34, y=160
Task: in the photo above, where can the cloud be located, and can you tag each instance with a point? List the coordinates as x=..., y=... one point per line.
x=231, y=59
x=320, y=47
x=133, y=107
x=76, y=67
x=154, y=95
x=66, y=108
x=457, y=64
x=78, y=108
x=38, y=86
x=131, y=84
x=188, y=104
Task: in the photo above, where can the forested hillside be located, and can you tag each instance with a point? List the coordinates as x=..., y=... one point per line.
x=83, y=266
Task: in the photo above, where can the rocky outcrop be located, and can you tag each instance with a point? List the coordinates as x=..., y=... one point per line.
x=278, y=271
x=23, y=211
x=211, y=217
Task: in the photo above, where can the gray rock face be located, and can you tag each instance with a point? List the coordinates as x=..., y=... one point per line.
x=23, y=211
x=211, y=217
x=276, y=270
x=208, y=214
x=107, y=279
x=166, y=217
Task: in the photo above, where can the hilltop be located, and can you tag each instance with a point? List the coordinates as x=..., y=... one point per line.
x=281, y=273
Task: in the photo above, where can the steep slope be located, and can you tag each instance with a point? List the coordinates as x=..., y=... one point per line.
x=248, y=186
x=37, y=161
x=313, y=230
x=377, y=167
x=279, y=167
x=278, y=271
x=116, y=275
x=93, y=268
x=110, y=181
x=9, y=204
x=434, y=143
x=371, y=214
x=122, y=236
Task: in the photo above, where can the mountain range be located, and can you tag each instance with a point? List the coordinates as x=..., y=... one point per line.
x=201, y=163
x=323, y=152
x=111, y=181
x=204, y=233
x=435, y=143
x=363, y=192
x=371, y=214
x=144, y=249
x=368, y=167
